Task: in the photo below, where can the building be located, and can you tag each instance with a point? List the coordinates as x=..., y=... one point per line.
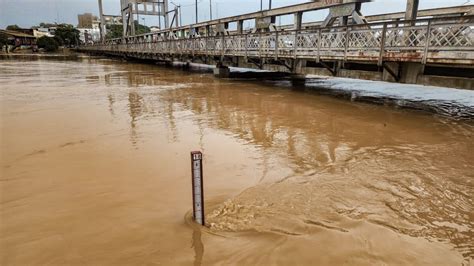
x=89, y=28
x=154, y=28
x=113, y=20
x=40, y=32
x=87, y=21
x=20, y=40
x=89, y=35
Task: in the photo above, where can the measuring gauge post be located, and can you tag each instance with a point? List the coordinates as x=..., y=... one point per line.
x=198, y=191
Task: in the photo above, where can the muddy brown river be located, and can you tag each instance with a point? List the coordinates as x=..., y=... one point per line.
x=95, y=170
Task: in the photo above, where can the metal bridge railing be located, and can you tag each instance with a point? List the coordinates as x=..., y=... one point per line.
x=438, y=40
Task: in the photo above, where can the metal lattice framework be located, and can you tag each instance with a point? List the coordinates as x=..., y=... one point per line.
x=428, y=40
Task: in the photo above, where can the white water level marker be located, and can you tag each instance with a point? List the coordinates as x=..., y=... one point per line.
x=198, y=191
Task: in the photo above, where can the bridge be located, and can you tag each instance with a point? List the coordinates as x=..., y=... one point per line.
x=433, y=47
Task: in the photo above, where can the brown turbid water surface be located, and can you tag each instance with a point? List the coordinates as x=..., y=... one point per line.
x=95, y=171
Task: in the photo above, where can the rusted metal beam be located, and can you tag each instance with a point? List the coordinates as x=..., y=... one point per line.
x=445, y=11
x=392, y=73
x=306, y=7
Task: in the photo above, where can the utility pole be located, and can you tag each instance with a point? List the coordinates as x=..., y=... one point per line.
x=261, y=5
x=210, y=9
x=269, y=4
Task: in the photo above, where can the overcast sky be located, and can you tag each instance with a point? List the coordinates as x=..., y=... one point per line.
x=27, y=13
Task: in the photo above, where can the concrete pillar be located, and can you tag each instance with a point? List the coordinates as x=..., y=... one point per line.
x=132, y=25
x=103, y=29
x=298, y=66
x=124, y=20
x=298, y=20
x=165, y=14
x=222, y=72
x=240, y=27
x=412, y=9
x=410, y=72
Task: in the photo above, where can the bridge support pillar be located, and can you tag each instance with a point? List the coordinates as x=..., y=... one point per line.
x=410, y=72
x=391, y=72
x=298, y=66
x=222, y=71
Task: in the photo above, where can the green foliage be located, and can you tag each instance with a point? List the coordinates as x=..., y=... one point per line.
x=67, y=35
x=114, y=31
x=59, y=40
x=3, y=40
x=48, y=43
x=13, y=27
x=141, y=29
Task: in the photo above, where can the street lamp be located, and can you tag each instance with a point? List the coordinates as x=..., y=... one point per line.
x=197, y=11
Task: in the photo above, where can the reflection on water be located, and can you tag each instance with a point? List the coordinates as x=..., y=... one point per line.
x=382, y=157
x=136, y=110
x=198, y=247
x=287, y=170
x=402, y=166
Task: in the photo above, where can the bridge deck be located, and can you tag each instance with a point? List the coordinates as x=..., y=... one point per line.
x=438, y=40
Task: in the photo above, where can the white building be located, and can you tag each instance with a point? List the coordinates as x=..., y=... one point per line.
x=40, y=32
x=89, y=35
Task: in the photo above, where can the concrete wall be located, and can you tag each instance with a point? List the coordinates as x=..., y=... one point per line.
x=450, y=82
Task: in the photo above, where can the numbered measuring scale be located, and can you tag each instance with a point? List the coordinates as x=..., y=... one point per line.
x=198, y=191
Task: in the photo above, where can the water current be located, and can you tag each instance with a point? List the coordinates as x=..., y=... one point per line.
x=95, y=170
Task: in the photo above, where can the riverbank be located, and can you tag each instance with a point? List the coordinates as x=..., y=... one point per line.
x=63, y=53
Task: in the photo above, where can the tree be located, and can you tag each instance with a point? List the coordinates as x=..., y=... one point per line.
x=3, y=39
x=141, y=29
x=13, y=27
x=49, y=44
x=67, y=35
x=114, y=31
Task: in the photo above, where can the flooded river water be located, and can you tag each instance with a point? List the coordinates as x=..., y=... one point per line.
x=95, y=170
